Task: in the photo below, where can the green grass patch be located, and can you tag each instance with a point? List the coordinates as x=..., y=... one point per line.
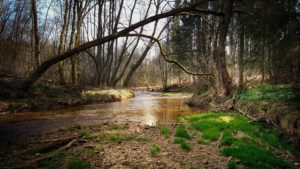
x=85, y=134
x=231, y=165
x=250, y=142
x=154, y=150
x=182, y=132
x=79, y=164
x=271, y=93
x=211, y=134
x=114, y=138
x=165, y=131
x=183, y=144
x=228, y=138
x=254, y=156
x=97, y=150
x=69, y=159
x=53, y=162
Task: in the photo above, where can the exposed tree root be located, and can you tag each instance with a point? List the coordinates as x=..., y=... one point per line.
x=57, y=139
x=49, y=155
x=250, y=117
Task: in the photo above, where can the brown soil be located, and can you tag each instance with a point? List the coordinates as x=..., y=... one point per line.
x=130, y=153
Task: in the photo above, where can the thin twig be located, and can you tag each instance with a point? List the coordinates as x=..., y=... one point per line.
x=219, y=140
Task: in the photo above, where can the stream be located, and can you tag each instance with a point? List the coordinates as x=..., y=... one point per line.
x=148, y=108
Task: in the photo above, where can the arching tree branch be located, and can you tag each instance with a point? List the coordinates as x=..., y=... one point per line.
x=27, y=84
x=164, y=54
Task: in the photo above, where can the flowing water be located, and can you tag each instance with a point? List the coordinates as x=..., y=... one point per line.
x=146, y=108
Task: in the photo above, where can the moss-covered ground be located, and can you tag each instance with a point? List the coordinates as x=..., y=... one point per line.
x=249, y=143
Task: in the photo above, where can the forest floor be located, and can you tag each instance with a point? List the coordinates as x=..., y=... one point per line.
x=43, y=97
x=205, y=140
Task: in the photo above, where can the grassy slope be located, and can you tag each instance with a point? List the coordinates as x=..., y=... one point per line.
x=278, y=104
x=249, y=143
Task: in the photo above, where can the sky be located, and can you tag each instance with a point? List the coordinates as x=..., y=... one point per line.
x=139, y=14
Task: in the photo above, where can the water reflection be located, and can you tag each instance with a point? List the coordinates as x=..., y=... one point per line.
x=145, y=108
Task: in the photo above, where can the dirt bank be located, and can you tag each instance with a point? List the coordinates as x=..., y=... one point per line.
x=282, y=116
x=277, y=105
x=51, y=97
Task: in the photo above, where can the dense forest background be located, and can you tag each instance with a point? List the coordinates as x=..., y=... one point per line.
x=215, y=43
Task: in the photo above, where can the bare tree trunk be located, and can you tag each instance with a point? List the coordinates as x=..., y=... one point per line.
x=142, y=58
x=62, y=42
x=262, y=66
x=36, y=34
x=71, y=42
x=241, y=57
x=136, y=44
x=224, y=85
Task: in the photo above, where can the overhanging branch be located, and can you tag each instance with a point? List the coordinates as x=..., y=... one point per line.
x=163, y=53
x=52, y=61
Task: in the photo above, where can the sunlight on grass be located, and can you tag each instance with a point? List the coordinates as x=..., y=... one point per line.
x=242, y=139
x=225, y=119
x=117, y=93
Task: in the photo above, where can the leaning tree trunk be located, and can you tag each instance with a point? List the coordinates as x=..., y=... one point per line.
x=28, y=82
x=224, y=84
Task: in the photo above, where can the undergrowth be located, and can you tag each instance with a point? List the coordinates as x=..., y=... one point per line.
x=275, y=93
